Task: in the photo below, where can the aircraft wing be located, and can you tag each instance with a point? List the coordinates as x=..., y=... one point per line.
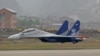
x=38, y=34
x=48, y=36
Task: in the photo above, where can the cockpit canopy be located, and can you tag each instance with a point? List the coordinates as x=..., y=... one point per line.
x=29, y=30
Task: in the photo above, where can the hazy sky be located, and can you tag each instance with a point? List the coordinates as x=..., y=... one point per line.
x=31, y=6
x=48, y=7
x=77, y=8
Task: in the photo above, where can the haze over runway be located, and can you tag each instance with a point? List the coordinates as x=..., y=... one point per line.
x=88, y=52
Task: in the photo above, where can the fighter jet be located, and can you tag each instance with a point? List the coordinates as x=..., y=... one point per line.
x=62, y=35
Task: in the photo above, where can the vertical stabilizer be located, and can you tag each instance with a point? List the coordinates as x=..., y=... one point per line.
x=75, y=29
x=63, y=28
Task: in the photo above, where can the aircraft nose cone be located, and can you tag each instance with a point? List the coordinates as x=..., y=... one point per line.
x=15, y=36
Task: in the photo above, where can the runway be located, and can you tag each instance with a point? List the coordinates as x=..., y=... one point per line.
x=93, y=52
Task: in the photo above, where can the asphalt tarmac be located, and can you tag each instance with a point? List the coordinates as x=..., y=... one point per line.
x=93, y=52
